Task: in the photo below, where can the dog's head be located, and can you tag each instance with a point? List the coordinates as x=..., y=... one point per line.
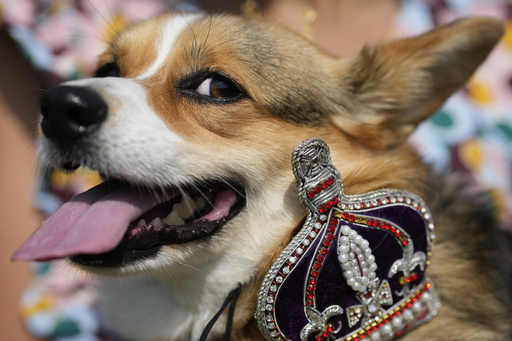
x=192, y=119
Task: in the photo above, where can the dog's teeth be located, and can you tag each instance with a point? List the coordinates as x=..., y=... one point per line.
x=157, y=222
x=173, y=219
x=142, y=223
x=185, y=208
x=200, y=203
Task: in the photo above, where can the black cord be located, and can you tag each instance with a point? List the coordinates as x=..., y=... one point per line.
x=232, y=297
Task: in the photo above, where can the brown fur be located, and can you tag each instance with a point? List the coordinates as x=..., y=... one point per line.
x=364, y=107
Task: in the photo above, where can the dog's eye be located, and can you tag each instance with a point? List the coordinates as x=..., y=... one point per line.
x=108, y=70
x=207, y=86
x=218, y=87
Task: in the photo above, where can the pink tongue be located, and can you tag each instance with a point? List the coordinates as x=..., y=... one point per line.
x=93, y=222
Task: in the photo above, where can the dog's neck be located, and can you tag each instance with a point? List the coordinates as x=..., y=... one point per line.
x=182, y=307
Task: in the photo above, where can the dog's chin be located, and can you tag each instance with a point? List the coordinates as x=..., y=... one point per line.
x=143, y=242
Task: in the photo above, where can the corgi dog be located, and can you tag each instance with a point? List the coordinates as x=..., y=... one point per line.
x=191, y=119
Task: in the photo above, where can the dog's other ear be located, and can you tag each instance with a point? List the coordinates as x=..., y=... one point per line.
x=395, y=86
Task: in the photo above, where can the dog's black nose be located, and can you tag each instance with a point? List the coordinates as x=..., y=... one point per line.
x=71, y=112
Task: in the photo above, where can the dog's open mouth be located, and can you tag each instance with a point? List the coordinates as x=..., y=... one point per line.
x=114, y=223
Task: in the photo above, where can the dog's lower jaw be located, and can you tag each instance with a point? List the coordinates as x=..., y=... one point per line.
x=188, y=285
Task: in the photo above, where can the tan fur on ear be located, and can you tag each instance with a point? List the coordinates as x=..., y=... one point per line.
x=395, y=86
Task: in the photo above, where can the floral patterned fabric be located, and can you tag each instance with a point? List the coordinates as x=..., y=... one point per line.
x=470, y=135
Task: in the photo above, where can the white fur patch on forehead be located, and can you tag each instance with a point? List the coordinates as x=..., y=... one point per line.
x=167, y=38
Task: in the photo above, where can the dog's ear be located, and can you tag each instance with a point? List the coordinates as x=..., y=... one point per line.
x=395, y=86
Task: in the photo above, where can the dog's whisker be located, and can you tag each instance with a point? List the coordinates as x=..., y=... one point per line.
x=38, y=89
x=243, y=195
x=205, y=197
x=111, y=23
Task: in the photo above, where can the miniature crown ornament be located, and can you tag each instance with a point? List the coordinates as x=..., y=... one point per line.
x=356, y=269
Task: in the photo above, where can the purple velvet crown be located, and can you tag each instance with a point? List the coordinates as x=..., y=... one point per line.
x=356, y=269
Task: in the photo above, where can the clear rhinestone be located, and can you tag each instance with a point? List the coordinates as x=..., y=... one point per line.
x=269, y=307
x=271, y=325
x=270, y=299
x=286, y=270
x=318, y=225
x=299, y=251
x=292, y=259
x=393, y=199
x=273, y=333
x=306, y=242
x=270, y=318
x=273, y=288
x=279, y=279
x=374, y=202
x=312, y=234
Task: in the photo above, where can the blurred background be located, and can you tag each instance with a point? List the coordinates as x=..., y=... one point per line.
x=43, y=42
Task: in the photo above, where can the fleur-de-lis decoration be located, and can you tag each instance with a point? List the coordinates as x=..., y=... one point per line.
x=372, y=303
x=407, y=264
x=318, y=321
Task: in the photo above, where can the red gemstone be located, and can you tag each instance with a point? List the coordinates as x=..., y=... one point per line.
x=317, y=265
x=314, y=273
x=330, y=237
x=345, y=215
x=327, y=243
x=322, y=209
x=351, y=218
x=328, y=204
x=311, y=194
x=309, y=302
x=324, y=251
x=325, y=185
x=320, y=258
x=335, y=201
x=405, y=242
x=332, y=229
x=318, y=189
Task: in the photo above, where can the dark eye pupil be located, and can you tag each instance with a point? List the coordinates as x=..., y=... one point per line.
x=223, y=89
